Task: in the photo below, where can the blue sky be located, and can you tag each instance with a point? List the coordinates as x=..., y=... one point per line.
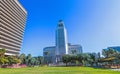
x=95, y=24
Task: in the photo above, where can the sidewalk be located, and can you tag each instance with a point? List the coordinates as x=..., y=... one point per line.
x=115, y=69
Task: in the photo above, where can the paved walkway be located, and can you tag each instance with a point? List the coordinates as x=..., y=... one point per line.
x=115, y=69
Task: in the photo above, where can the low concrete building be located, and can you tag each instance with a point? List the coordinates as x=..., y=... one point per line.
x=74, y=49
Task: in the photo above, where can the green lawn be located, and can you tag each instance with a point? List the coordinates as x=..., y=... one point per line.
x=57, y=70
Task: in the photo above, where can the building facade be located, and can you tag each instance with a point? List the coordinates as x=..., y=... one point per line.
x=54, y=54
x=61, y=41
x=117, y=48
x=49, y=54
x=75, y=49
x=12, y=25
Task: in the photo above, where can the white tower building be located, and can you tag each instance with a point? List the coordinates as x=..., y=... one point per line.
x=61, y=40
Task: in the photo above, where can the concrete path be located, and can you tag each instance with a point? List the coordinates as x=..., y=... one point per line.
x=115, y=69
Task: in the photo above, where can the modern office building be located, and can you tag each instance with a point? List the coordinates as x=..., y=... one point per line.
x=61, y=41
x=117, y=48
x=54, y=54
x=49, y=54
x=12, y=25
x=75, y=49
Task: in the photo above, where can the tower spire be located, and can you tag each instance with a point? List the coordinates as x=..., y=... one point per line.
x=60, y=24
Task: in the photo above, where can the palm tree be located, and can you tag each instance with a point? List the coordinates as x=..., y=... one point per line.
x=2, y=52
x=3, y=59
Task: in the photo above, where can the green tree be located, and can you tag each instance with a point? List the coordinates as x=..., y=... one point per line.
x=80, y=58
x=40, y=60
x=33, y=61
x=118, y=58
x=109, y=52
x=74, y=59
x=105, y=53
x=28, y=59
x=2, y=52
x=92, y=59
x=86, y=59
x=3, y=59
x=66, y=59
x=22, y=57
x=13, y=60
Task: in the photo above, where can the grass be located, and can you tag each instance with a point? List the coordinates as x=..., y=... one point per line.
x=57, y=70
